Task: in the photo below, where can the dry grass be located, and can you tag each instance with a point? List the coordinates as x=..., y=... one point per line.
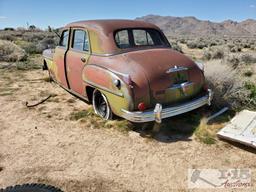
x=89, y=118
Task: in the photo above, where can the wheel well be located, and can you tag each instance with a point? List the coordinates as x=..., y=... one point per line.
x=89, y=93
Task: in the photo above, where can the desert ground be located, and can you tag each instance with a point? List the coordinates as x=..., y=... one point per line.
x=50, y=144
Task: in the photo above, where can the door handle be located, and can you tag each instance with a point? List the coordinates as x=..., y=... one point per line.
x=83, y=59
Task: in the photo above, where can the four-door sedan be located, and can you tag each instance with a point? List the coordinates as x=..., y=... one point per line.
x=126, y=68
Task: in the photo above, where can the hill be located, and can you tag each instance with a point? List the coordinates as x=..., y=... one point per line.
x=193, y=26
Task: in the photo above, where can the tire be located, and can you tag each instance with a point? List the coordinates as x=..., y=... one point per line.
x=101, y=106
x=31, y=188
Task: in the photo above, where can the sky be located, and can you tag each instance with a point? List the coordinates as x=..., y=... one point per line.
x=42, y=13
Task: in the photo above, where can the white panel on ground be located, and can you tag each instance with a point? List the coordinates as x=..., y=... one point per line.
x=242, y=129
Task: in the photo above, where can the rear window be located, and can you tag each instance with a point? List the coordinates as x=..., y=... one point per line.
x=129, y=38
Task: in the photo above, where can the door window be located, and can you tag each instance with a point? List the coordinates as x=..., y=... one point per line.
x=80, y=40
x=64, y=39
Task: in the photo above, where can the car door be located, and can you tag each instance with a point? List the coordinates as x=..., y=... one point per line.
x=60, y=57
x=77, y=57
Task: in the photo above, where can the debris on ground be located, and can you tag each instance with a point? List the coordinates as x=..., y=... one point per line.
x=242, y=129
x=40, y=102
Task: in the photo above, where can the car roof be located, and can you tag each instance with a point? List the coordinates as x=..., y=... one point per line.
x=111, y=24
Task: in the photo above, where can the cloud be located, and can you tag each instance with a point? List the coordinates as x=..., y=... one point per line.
x=252, y=6
x=3, y=17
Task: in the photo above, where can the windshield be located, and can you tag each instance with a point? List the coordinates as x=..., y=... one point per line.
x=130, y=38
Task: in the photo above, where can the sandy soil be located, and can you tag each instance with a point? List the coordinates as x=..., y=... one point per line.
x=42, y=144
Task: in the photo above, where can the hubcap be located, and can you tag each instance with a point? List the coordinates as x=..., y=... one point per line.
x=101, y=105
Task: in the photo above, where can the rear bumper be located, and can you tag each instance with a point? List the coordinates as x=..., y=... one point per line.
x=160, y=113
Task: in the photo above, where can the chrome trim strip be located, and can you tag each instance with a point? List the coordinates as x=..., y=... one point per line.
x=104, y=54
x=141, y=117
x=71, y=91
x=110, y=70
x=122, y=51
x=103, y=88
x=182, y=85
x=46, y=57
x=176, y=69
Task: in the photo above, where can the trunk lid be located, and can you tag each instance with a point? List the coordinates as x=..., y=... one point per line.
x=172, y=76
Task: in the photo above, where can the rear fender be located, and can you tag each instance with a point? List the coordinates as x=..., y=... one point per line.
x=103, y=79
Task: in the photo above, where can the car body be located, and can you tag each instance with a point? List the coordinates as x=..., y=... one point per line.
x=126, y=68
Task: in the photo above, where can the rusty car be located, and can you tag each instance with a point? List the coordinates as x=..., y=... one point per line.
x=126, y=68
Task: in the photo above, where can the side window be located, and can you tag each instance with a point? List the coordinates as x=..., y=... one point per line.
x=142, y=38
x=64, y=39
x=122, y=39
x=80, y=40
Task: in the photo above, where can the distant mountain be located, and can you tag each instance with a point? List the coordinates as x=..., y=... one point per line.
x=193, y=26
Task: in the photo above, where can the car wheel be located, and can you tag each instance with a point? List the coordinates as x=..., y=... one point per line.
x=31, y=188
x=101, y=105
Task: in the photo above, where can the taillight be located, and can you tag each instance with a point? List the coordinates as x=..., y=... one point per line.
x=141, y=106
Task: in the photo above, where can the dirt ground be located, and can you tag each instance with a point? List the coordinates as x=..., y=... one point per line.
x=42, y=144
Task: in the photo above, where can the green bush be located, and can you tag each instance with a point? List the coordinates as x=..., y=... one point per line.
x=250, y=86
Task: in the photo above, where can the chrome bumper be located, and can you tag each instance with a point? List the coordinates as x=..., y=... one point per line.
x=160, y=113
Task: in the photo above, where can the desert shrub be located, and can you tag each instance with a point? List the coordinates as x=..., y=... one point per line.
x=239, y=60
x=11, y=52
x=32, y=62
x=248, y=73
x=207, y=55
x=30, y=48
x=27, y=66
x=233, y=61
x=46, y=43
x=191, y=44
x=248, y=59
x=251, y=87
x=182, y=40
x=34, y=36
x=7, y=36
x=197, y=43
x=234, y=48
x=228, y=86
x=9, y=29
x=213, y=43
x=176, y=47
x=217, y=54
x=213, y=53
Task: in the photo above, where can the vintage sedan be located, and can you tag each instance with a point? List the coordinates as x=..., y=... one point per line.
x=126, y=68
